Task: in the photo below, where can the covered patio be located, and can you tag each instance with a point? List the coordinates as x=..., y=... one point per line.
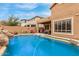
x=45, y=26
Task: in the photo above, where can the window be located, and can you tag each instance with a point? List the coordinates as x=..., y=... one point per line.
x=33, y=25
x=69, y=26
x=59, y=26
x=55, y=25
x=47, y=26
x=63, y=26
x=25, y=26
x=28, y=25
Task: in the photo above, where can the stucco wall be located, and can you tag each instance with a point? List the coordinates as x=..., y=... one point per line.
x=61, y=11
x=76, y=25
x=64, y=10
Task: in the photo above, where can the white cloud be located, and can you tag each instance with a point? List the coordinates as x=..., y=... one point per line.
x=44, y=13
x=3, y=17
x=25, y=10
x=26, y=15
x=47, y=4
x=3, y=9
x=28, y=6
x=33, y=14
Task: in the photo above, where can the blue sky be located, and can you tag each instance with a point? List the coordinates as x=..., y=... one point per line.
x=24, y=10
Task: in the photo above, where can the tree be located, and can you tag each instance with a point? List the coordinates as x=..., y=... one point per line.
x=12, y=21
x=3, y=22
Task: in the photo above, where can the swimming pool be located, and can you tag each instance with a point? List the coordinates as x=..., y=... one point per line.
x=33, y=45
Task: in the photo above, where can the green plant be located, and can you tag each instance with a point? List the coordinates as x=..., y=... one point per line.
x=3, y=22
x=12, y=21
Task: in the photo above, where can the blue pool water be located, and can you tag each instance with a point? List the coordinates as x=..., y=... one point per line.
x=32, y=45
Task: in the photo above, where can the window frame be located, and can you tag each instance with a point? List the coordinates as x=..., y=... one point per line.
x=33, y=25
x=72, y=29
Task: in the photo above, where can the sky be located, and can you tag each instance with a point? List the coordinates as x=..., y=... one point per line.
x=24, y=10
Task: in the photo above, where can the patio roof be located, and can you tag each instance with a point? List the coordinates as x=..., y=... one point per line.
x=44, y=20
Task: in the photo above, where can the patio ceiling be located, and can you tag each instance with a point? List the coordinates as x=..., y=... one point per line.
x=44, y=21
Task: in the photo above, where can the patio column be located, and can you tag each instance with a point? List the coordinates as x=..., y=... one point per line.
x=37, y=28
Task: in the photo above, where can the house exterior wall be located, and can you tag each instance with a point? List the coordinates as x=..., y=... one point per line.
x=29, y=23
x=63, y=11
x=76, y=25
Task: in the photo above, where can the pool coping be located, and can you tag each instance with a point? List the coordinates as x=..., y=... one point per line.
x=47, y=36
x=67, y=40
x=55, y=37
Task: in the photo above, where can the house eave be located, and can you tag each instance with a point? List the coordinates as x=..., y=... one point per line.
x=53, y=5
